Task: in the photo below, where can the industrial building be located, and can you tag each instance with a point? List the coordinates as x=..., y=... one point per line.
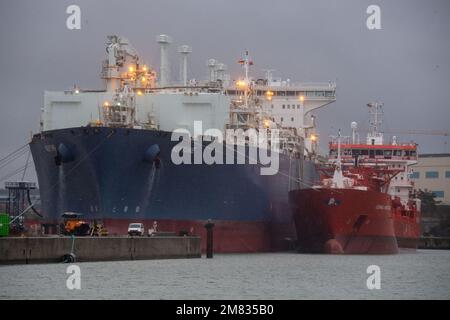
x=432, y=173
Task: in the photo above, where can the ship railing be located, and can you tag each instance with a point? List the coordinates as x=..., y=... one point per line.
x=349, y=160
x=307, y=92
x=346, y=141
x=375, y=158
x=176, y=89
x=401, y=184
x=293, y=85
x=20, y=185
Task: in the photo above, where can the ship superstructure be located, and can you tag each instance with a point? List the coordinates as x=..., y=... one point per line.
x=290, y=105
x=109, y=153
x=364, y=201
x=375, y=151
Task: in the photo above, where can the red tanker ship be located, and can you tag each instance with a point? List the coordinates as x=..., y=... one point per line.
x=364, y=202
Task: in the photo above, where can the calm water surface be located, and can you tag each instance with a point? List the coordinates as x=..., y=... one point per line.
x=421, y=275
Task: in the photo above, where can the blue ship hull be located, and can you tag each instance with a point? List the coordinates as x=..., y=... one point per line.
x=127, y=175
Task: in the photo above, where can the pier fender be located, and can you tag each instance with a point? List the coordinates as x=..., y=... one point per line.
x=69, y=258
x=152, y=153
x=333, y=246
x=63, y=154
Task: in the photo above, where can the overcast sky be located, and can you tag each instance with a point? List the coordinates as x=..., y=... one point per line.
x=406, y=64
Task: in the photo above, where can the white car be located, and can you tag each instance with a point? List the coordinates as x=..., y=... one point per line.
x=136, y=229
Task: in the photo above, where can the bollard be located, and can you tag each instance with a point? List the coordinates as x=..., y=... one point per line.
x=209, y=238
x=70, y=257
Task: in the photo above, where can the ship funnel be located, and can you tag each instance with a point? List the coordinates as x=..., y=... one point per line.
x=184, y=51
x=211, y=63
x=164, y=71
x=220, y=71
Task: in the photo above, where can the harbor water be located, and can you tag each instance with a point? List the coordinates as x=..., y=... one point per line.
x=424, y=274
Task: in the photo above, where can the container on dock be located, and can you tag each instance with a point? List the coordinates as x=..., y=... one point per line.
x=4, y=225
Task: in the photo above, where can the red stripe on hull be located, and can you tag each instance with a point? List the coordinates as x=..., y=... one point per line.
x=343, y=221
x=229, y=236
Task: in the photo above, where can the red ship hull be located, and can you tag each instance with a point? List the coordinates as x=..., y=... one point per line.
x=346, y=221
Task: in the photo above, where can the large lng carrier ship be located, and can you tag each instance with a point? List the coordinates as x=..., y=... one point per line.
x=364, y=201
x=108, y=153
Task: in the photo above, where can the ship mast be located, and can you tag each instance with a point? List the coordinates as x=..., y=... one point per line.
x=121, y=55
x=338, y=178
x=246, y=63
x=243, y=110
x=375, y=137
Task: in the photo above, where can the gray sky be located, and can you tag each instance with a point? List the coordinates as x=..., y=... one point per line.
x=406, y=64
